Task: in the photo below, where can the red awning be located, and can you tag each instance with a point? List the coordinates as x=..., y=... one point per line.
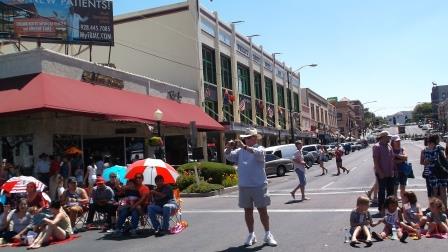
x=48, y=92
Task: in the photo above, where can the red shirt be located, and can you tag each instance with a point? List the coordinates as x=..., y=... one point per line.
x=144, y=192
x=38, y=201
x=54, y=167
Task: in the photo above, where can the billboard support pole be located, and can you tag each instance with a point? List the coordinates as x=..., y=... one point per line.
x=39, y=43
x=108, y=59
x=19, y=47
x=90, y=52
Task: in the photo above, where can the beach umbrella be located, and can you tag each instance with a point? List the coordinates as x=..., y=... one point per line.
x=120, y=171
x=73, y=151
x=150, y=168
x=18, y=184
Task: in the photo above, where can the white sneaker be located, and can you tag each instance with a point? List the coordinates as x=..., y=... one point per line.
x=251, y=240
x=269, y=240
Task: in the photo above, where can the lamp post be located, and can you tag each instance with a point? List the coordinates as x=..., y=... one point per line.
x=274, y=84
x=158, y=115
x=290, y=100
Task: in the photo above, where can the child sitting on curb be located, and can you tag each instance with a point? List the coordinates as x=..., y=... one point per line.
x=392, y=221
x=360, y=220
x=412, y=214
x=436, y=219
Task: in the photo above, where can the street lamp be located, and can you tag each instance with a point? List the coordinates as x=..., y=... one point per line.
x=290, y=100
x=158, y=115
x=275, y=88
x=254, y=35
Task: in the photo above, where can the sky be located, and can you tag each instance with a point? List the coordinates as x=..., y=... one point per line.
x=378, y=50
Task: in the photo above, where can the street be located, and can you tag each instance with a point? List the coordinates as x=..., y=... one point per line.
x=216, y=223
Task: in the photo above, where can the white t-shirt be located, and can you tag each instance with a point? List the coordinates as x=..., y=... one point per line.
x=91, y=170
x=297, y=165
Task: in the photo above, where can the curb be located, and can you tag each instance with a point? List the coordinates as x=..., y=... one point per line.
x=209, y=194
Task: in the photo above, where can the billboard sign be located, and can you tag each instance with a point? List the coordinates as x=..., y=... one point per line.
x=66, y=21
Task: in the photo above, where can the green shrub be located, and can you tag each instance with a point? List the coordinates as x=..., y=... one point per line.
x=184, y=181
x=203, y=187
x=230, y=180
x=211, y=172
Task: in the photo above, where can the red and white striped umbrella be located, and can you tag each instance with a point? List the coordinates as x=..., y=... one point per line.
x=18, y=184
x=150, y=168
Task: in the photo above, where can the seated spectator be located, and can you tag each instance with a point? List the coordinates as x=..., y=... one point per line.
x=3, y=216
x=73, y=199
x=57, y=229
x=163, y=203
x=16, y=222
x=116, y=186
x=102, y=198
x=34, y=199
x=131, y=196
x=133, y=210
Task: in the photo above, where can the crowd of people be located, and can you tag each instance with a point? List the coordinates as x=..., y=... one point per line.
x=408, y=218
x=36, y=218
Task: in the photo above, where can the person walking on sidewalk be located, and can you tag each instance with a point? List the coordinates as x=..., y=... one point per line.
x=338, y=153
x=384, y=166
x=322, y=160
x=299, y=167
x=252, y=182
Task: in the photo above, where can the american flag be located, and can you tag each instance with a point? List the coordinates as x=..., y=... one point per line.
x=242, y=105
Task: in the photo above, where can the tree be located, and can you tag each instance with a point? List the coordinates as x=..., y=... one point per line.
x=422, y=111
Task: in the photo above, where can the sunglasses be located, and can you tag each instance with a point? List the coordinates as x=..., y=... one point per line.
x=138, y=177
x=113, y=176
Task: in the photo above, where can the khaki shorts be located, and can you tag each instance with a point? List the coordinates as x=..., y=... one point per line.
x=254, y=196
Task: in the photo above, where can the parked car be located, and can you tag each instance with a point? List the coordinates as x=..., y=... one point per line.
x=313, y=149
x=282, y=151
x=425, y=127
x=356, y=146
x=276, y=165
x=330, y=150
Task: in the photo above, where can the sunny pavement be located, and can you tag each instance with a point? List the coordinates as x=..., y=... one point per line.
x=216, y=223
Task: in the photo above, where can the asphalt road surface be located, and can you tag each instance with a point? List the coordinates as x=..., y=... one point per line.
x=409, y=130
x=217, y=224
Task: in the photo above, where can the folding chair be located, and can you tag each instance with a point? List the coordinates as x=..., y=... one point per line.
x=176, y=216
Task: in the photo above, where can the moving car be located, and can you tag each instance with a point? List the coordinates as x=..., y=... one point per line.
x=276, y=165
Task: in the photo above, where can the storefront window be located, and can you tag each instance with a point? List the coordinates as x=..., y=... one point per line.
x=18, y=151
x=62, y=142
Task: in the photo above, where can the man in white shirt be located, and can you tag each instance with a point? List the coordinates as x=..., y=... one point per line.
x=252, y=182
x=299, y=167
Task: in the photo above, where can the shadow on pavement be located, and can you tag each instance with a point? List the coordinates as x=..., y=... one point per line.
x=126, y=236
x=293, y=201
x=243, y=248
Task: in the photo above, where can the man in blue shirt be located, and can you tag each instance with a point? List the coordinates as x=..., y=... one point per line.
x=252, y=182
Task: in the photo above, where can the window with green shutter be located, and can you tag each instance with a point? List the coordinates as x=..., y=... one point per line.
x=296, y=102
x=280, y=96
x=243, y=80
x=257, y=84
x=208, y=64
x=226, y=72
x=269, y=90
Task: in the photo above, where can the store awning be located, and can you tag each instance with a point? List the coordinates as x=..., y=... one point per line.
x=49, y=92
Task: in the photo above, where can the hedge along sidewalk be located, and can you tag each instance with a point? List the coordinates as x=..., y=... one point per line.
x=212, y=193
